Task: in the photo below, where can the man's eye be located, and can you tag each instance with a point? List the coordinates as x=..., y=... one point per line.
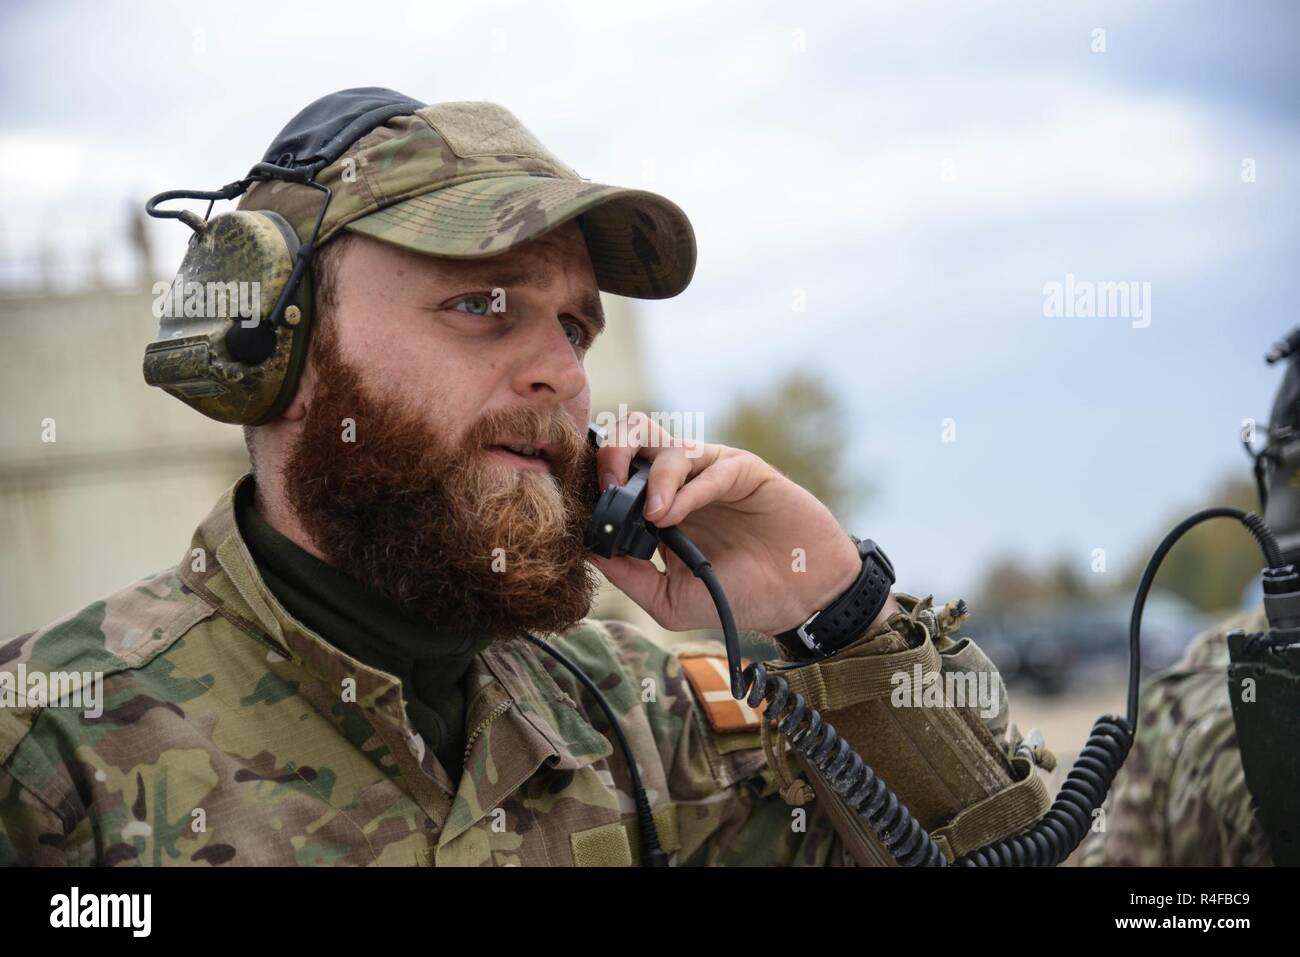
x=576, y=332
x=475, y=305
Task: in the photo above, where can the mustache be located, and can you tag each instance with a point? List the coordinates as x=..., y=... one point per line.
x=567, y=448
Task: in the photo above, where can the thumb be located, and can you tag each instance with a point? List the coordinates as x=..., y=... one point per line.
x=639, y=580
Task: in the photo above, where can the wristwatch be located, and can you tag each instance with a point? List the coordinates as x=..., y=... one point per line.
x=848, y=617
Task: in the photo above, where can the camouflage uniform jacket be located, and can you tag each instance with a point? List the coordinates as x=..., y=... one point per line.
x=230, y=733
x=1181, y=798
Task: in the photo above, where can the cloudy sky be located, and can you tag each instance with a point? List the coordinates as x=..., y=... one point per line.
x=914, y=174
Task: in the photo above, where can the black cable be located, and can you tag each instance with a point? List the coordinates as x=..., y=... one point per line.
x=229, y=191
x=842, y=768
x=1053, y=838
x=702, y=569
x=810, y=734
x=1048, y=843
x=1059, y=832
x=1272, y=557
x=653, y=854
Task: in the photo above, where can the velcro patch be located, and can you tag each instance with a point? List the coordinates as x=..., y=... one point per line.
x=707, y=674
x=485, y=129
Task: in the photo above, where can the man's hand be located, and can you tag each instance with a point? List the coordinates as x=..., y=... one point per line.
x=778, y=552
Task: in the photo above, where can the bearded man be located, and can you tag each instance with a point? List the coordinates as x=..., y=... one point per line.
x=340, y=668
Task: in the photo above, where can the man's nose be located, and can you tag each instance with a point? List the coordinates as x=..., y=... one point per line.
x=550, y=364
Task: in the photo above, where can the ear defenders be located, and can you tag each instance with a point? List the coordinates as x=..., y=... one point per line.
x=235, y=323
x=223, y=345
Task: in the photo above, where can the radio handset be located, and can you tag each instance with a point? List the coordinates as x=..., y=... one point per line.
x=617, y=525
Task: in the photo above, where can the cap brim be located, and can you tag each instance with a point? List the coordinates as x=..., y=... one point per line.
x=641, y=245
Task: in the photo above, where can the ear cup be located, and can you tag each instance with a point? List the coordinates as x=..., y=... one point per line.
x=251, y=344
x=216, y=349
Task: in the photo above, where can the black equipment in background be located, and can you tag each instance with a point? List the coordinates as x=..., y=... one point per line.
x=1264, y=670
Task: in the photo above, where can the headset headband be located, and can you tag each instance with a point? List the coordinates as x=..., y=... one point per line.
x=323, y=131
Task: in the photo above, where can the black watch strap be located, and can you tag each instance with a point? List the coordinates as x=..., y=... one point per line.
x=848, y=617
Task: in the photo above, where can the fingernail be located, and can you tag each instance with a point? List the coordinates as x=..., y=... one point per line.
x=654, y=505
x=608, y=479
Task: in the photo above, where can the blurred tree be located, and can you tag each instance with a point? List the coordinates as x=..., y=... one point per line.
x=138, y=237
x=1211, y=565
x=1009, y=586
x=94, y=276
x=799, y=428
x=1065, y=582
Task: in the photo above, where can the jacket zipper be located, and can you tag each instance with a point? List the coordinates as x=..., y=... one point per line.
x=491, y=716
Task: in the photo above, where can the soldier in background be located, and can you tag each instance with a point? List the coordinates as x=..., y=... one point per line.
x=1181, y=798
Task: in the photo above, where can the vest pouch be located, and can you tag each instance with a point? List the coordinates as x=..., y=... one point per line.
x=907, y=710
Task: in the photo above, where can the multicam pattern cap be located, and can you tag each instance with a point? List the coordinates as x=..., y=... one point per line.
x=468, y=180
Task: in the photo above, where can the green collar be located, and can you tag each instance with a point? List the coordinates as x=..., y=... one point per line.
x=429, y=659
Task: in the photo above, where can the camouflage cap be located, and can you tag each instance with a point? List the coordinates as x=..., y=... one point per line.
x=468, y=180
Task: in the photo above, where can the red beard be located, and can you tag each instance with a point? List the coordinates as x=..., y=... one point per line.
x=445, y=531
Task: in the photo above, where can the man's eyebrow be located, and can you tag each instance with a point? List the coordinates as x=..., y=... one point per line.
x=492, y=275
x=588, y=302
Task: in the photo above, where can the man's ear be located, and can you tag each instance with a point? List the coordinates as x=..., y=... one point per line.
x=296, y=410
